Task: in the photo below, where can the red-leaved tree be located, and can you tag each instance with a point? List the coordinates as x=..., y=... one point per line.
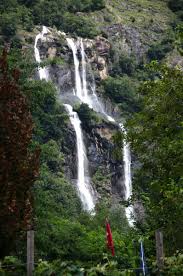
x=18, y=166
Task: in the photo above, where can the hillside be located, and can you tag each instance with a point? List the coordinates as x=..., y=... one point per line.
x=94, y=91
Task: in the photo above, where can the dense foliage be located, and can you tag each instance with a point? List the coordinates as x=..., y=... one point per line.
x=156, y=137
x=160, y=50
x=62, y=14
x=176, y=6
x=63, y=230
x=122, y=91
x=67, y=239
x=18, y=166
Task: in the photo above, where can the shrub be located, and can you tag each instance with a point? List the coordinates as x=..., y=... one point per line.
x=175, y=5
x=87, y=115
x=124, y=65
x=8, y=23
x=79, y=25
x=121, y=90
x=159, y=51
x=86, y=5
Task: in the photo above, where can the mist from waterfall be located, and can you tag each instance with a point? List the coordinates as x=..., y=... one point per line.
x=92, y=100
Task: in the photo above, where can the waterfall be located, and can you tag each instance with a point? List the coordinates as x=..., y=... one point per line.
x=43, y=72
x=93, y=102
x=83, y=184
x=81, y=89
x=84, y=82
x=78, y=85
x=89, y=97
x=84, y=188
x=127, y=176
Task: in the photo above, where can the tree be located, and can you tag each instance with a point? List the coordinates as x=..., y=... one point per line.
x=121, y=90
x=8, y=23
x=156, y=137
x=175, y=5
x=18, y=166
x=179, y=38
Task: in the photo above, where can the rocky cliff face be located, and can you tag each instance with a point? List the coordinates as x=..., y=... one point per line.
x=128, y=28
x=106, y=171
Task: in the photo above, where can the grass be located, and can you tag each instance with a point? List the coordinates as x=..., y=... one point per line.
x=151, y=18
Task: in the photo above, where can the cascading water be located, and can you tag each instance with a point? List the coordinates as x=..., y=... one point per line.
x=85, y=90
x=82, y=92
x=78, y=84
x=83, y=184
x=84, y=188
x=43, y=73
x=93, y=102
x=127, y=176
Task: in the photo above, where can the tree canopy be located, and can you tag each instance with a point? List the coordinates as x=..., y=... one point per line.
x=18, y=165
x=156, y=135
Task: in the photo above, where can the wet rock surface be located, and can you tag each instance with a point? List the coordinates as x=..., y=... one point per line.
x=106, y=172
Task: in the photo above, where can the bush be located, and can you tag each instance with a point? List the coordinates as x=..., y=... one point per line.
x=11, y=265
x=8, y=24
x=125, y=65
x=55, y=13
x=175, y=5
x=159, y=51
x=121, y=90
x=97, y=4
x=49, y=13
x=87, y=115
x=86, y=5
x=49, y=117
x=79, y=25
x=172, y=266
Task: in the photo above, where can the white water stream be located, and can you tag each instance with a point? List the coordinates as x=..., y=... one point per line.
x=92, y=100
x=83, y=185
x=43, y=72
x=82, y=92
x=127, y=177
x=78, y=84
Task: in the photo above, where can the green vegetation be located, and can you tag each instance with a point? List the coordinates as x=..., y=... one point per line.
x=101, y=182
x=19, y=164
x=87, y=116
x=122, y=90
x=63, y=230
x=62, y=14
x=79, y=25
x=176, y=6
x=125, y=65
x=159, y=51
x=156, y=137
x=69, y=241
x=179, y=38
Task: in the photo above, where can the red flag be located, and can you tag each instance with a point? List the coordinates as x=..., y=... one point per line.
x=110, y=243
